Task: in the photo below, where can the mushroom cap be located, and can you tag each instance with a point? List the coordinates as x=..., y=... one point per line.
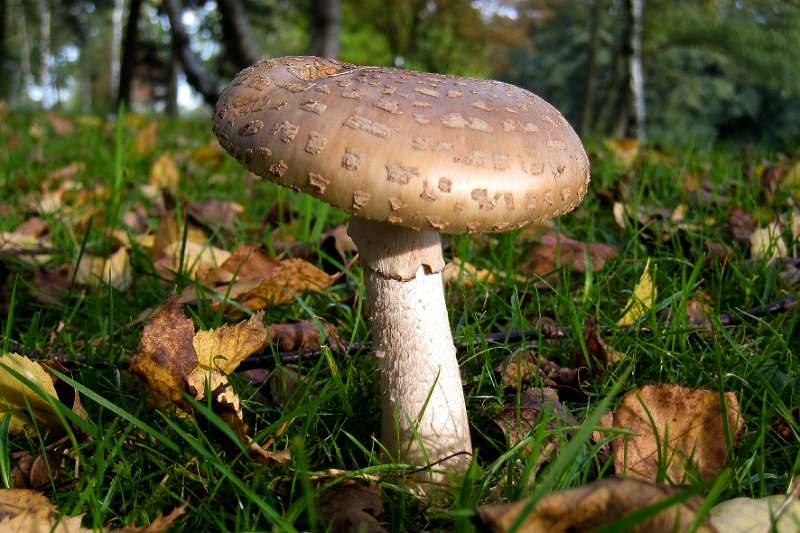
x=415, y=149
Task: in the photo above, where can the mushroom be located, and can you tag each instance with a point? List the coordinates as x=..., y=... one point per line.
x=411, y=155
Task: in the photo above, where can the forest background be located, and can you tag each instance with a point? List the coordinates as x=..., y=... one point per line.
x=683, y=72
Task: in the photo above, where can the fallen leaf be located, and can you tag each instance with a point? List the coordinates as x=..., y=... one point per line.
x=292, y=276
x=247, y=262
x=33, y=227
x=30, y=511
x=199, y=260
x=167, y=354
x=741, y=223
x=302, y=335
x=67, y=172
x=624, y=149
x=466, y=274
x=35, y=471
x=594, y=505
x=61, y=126
x=215, y=213
x=597, y=348
x=642, y=299
x=791, y=179
x=210, y=155
x=224, y=348
x=337, y=244
x=747, y=515
x=164, y=173
x=556, y=250
x=114, y=270
x=21, y=400
x=351, y=507
x=767, y=243
x=535, y=405
x=147, y=139
x=675, y=431
x=698, y=310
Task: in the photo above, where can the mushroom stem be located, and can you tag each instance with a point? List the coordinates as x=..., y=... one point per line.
x=424, y=414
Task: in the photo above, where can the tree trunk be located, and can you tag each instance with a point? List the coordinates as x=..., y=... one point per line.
x=128, y=61
x=4, y=75
x=236, y=32
x=172, y=85
x=25, y=71
x=196, y=74
x=44, y=54
x=116, y=45
x=325, y=21
x=591, y=67
x=636, y=12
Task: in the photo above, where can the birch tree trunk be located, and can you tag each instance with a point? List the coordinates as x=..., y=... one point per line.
x=637, y=74
x=325, y=21
x=116, y=45
x=44, y=54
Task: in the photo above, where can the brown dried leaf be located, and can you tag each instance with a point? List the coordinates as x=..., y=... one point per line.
x=767, y=243
x=200, y=261
x=747, y=515
x=167, y=352
x=301, y=335
x=687, y=426
x=33, y=227
x=741, y=223
x=466, y=274
x=556, y=250
x=292, y=276
x=247, y=262
x=596, y=504
x=352, y=507
x=67, y=172
x=598, y=349
x=35, y=471
x=698, y=309
x=216, y=213
x=60, y=125
x=517, y=422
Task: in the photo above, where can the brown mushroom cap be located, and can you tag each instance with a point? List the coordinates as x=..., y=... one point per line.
x=410, y=148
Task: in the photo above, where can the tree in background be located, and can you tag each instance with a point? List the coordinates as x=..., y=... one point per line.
x=324, y=21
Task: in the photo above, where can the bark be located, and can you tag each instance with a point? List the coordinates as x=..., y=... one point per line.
x=236, y=33
x=636, y=72
x=172, y=86
x=3, y=15
x=196, y=74
x=44, y=53
x=128, y=61
x=325, y=23
x=25, y=52
x=591, y=67
x=116, y=45
x=424, y=414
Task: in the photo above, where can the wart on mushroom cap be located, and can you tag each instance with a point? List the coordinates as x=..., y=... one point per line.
x=454, y=154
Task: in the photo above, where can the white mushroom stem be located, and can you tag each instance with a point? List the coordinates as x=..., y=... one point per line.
x=424, y=414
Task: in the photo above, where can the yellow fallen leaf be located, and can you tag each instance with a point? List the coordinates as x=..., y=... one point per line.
x=126, y=240
x=466, y=273
x=31, y=511
x=767, y=243
x=164, y=173
x=146, y=139
x=642, y=299
x=625, y=150
x=16, y=396
x=791, y=179
x=225, y=347
x=12, y=242
x=114, y=270
x=747, y=515
x=198, y=259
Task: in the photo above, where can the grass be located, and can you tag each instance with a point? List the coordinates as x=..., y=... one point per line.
x=128, y=462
